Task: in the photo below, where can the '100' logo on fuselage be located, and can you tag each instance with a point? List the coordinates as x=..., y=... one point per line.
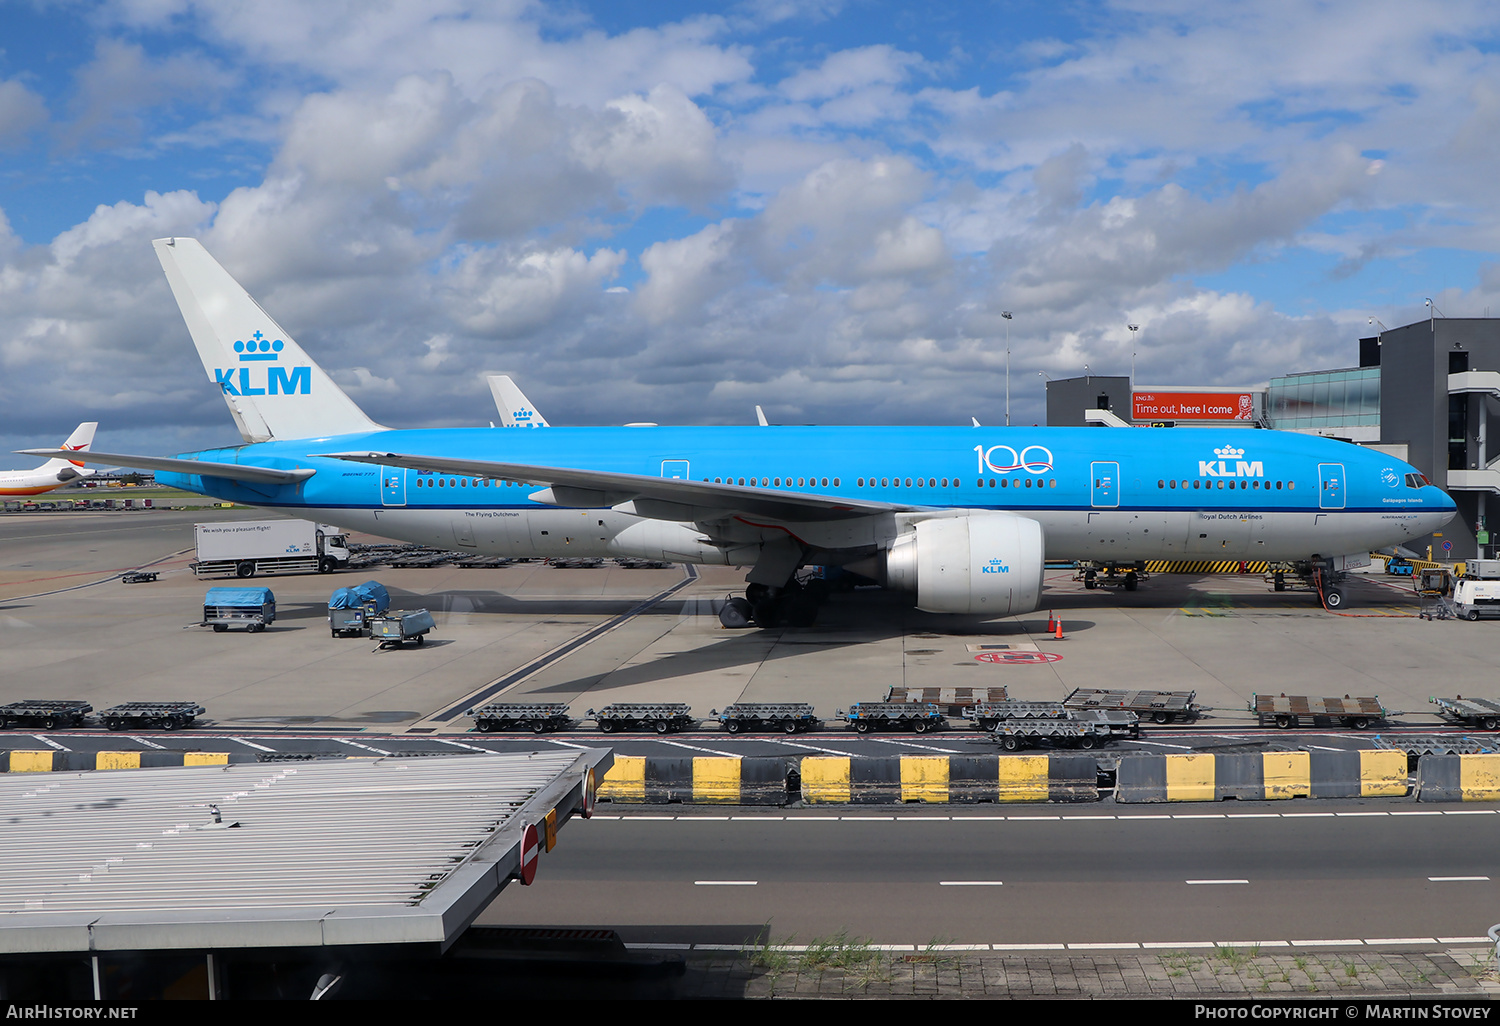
x=1002, y=459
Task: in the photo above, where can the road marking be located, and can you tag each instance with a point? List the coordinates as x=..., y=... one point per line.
x=460, y=744
x=1104, y=947
x=1216, y=881
x=1162, y=744
x=1027, y=947
x=909, y=744
x=251, y=744
x=696, y=748
x=148, y=744
x=1401, y=940
x=1468, y=812
x=51, y=744
x=356, y=744
x=723, y=883
x=1149, y=945
x=1457, y=879
x=816, y=748
x=1252, y=944
x=971, y=883
x=1327, y=943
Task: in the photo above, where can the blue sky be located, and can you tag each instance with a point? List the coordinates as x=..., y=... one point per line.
x=676, y=211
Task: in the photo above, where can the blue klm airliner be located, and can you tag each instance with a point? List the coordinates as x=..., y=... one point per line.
x=964, y=517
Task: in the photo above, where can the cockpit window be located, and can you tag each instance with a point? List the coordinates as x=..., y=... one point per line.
x=1417, y=481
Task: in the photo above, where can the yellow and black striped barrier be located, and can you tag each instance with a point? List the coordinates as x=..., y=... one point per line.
x=1207, y=566
x=845, y=780
x=1458, y=778
x=1261, y=776
x=701, y=779
x=52, y=761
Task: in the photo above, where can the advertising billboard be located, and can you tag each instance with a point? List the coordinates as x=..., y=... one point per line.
x=1181, y=406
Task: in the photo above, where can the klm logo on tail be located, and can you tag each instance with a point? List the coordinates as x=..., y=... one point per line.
x=277, y=380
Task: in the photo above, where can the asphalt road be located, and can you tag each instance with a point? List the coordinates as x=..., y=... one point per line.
x=1352, y=873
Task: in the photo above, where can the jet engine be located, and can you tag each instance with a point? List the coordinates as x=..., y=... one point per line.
x=979, y=563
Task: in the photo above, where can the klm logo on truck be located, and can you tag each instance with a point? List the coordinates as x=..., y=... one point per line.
x=277, y=380
x=1223, y=467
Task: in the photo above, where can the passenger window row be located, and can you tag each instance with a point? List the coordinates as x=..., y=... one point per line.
x=1219, y=483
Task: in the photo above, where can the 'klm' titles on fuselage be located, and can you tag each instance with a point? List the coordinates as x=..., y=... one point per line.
x=1220, y=468
x=278, y=381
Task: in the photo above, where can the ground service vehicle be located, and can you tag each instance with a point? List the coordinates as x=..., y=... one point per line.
x=244, y=548
x=400, y=626
x=787, y=717
x=1287, y=711
x=44, y=714
x=250, y=608
x=662, y=717
x=145, y=715
x=1477, y=593
x=920, y=717
x=1483, y=713
x=537, y=717
x=1156, y=706
x=351, y=609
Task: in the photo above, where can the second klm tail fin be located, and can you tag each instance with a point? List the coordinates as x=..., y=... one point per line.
x=272, y=387
x=515, y=409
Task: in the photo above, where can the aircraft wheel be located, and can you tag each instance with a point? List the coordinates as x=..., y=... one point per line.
x=802, y=611
x=1278, y=582
x=756, y=593
x=1090, y=581
x=1334, y=598
x=736, y=614
x=767, y=613
x=1131, y=581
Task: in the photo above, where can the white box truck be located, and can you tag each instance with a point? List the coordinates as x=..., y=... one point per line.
x=1477, y=593
x=244, y=548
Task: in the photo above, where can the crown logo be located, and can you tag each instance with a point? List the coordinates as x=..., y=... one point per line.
x=259, y=348
x=1229, y=452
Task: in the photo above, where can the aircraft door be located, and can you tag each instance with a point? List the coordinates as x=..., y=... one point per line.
x=1106, y=485
x=675, y=469
x=1330, y=485
x=393, y=486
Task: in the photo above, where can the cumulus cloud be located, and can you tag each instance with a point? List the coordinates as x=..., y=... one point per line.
x=21, y=111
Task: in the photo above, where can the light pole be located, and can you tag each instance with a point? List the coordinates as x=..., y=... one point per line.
x=1006, y=315
x=1133, y=329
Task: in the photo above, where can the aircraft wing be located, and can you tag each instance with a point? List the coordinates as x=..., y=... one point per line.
x=231, y=471
x=660, y=498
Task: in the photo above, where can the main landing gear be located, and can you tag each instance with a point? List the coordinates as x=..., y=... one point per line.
x=1326, y=578
x=795, y=605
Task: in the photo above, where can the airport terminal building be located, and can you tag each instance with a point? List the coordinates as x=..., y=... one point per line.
x=1428, y=393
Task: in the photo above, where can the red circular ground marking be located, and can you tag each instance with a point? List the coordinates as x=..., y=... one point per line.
x=1026, y=658
x=530, y=852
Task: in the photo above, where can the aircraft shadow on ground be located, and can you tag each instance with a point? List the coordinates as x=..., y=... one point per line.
x=850, y=621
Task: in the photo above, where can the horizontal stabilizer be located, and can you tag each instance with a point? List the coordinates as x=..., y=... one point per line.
x=229, y=471
x=701, y=499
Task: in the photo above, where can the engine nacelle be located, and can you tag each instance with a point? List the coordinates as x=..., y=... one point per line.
x=980, y=563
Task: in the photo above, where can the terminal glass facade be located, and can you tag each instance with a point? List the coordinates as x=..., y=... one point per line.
x=1329, y=399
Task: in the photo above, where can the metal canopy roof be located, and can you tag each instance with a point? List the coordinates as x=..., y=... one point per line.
x=362, y=852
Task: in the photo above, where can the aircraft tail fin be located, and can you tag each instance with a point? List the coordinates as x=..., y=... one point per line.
x=272, y=388
x=515, y=409
x=79, y=441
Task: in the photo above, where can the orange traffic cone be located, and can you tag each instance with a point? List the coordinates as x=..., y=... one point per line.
x=1058, y=635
